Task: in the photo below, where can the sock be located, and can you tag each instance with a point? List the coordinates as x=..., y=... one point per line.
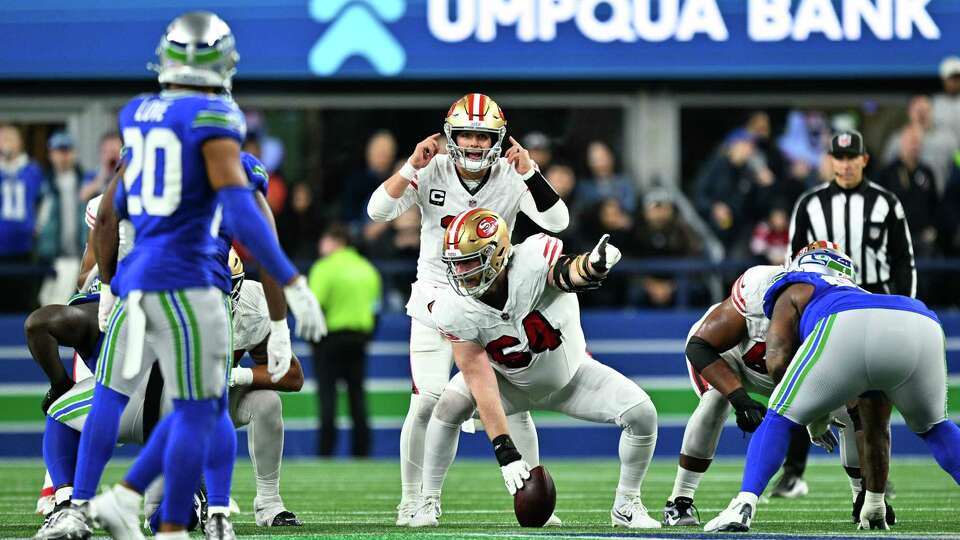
x=748, y=497
x=686, y=483
x=767, y=450
x=218, y=468
x=944, y=442
x=635, y=454
x=225, y=510
x=179, y=535
x=438, y=456
x=191, y=428
x=97, y=441
x=412, y=436
x=60, y=446
x=149, y=463
x=856, y=485
x=524, y=435
x=63, y=494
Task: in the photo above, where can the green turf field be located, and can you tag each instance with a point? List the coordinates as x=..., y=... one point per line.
x=355, y=499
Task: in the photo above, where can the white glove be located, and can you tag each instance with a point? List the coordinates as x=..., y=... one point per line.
x=241, y=376
x=303, y=304
x=604, y=255
x=278, y=350
x=514, y=474
x=873, y=515
x=107, y=300
x=821, y=434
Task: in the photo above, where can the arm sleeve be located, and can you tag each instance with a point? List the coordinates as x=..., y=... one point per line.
x=554, y=219
x=903, y=272
x=382, y=207
x=244, y=219
x=799, y=223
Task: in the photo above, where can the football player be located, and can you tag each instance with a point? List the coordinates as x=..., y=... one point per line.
x=725, y=355
x=472, y=174
x=513, y=318
x=844, y=342
x=181, y=317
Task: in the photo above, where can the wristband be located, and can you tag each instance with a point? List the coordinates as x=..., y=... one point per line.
x=241, y=376
x=505, y=450
x=408, y=171
x=740, y=399
x=279, y=327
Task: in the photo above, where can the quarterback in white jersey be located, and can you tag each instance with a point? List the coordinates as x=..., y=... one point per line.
x=470, y=175
x=514, y=321
x=735, y=332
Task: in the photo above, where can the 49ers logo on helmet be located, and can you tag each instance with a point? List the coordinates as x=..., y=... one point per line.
x=487, y=227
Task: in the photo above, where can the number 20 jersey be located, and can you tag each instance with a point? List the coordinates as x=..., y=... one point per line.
x=535, y=342
x=166, y=194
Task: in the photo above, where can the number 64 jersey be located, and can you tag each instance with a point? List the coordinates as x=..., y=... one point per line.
x=165, y=191
x=535, y=342
x=747, y=358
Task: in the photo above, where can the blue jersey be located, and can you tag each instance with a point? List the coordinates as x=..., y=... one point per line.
x=20, y=188
x=832, y=295
x=257, y=179
x=166, y=193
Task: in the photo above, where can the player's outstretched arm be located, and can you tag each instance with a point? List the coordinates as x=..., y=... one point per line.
x=575, y=273
x=783, y=337
x=392, y=198
x=222, y=158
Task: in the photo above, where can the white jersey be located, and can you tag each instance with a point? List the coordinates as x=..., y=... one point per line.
x=440, y=194
x=125, y=229
x=251, y=321
x=749, y=356
x=535, y=341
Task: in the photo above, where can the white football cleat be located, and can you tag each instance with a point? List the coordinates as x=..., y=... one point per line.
x=218, y=527
x=554, y=521
x=70, y=523
x=117, y=510
x=427, y=513
x=735, y=518
x=405, y=511
x=632, y=514
x=46, y=504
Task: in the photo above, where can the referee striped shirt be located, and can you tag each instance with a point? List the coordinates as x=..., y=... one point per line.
x=869, y=224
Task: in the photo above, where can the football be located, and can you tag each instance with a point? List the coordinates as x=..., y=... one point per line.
x=535, y=502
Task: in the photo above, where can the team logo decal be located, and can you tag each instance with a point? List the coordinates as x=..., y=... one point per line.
x=844, y=140
x=487, y=227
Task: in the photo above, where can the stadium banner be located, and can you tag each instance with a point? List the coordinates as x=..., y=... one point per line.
x=496, y=39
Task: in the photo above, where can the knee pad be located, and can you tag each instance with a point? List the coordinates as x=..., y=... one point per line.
x=453, y=408
x=639, y=420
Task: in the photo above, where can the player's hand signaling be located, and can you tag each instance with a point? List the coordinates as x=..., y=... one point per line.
x=749, y=412
x=821, y=434
x=519, y=158
x=425, y=151
x=303, y=304
x=604, y=256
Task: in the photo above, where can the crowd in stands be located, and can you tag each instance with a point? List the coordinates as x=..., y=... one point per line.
x=743, y=193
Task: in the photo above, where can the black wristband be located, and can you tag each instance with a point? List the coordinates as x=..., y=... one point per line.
x=700, y=353
x=505, y=450
x=740, y=399
x=544, y=197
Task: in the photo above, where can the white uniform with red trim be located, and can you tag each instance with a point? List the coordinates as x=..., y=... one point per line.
x=125, y=231
x=747, y=358
x=536, y=344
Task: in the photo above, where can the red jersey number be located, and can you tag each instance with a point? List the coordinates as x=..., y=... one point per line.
x=541, y=336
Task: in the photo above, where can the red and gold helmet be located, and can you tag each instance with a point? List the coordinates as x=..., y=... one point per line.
x=476, y=248
x=475, y=112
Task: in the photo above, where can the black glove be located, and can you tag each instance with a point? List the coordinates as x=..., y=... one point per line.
x=56, y=390
x=750, y=412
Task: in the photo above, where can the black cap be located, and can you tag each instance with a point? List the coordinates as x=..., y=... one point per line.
x=847, y=143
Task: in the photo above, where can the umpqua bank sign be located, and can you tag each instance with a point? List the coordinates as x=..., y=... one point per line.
x=631, y=38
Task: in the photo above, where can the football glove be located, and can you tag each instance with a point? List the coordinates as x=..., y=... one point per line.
x=604, y=255
x=107, y=300
x=821, y=434
x=56, y=390
x=300, y=299
x=279, y=350
x=514, y=474
x=749, y=412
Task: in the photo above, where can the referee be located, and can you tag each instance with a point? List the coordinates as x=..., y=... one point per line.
x=868, y=222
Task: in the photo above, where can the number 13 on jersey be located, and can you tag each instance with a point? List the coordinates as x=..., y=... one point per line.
x=160, y=191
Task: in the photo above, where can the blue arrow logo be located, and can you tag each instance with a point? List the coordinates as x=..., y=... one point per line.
x=357, y=30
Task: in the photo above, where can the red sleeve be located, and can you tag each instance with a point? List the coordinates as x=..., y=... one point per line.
x=552, y=249
x=736, y=296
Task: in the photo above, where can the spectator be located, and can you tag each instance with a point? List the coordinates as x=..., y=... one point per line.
x=911, y=180
x=662, y=233
x=771, y=237
x=538, y=144
x=946, y=106
x=21, y=182
x=609, y=217
x=400, y=239
x=722, y=187
x=299, y=226
x=380, y=155
x=939, y=142
x=61, y=220
x=605, y=182
x=110, y=146
x=768, y=160
x=276, y=186
x=348, y=289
